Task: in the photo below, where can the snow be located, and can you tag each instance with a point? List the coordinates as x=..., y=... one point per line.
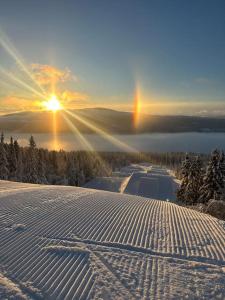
x=18, y=227
x=22, y=291
x=141, y=180
x=152, y=182
x=112, y=184
x=81, y=243
x=63, y=249
x=9, y=290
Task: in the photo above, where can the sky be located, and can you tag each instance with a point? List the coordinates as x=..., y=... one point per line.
x=100, y=53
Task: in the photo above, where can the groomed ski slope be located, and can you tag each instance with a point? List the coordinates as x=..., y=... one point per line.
x=141, y=180
x=74, y=243
x=151, y=182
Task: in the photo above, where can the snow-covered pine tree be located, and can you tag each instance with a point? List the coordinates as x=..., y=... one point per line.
x=19, y=159
x=81, y=178
x=212, y=181
x=53, y=162
x=222, y=174
x=195, y=178
x=222, y=162
x=16, y=148
x=220, y=177
x=2, y=138
x=12, y=160
x=31, y=174
x=4, y=172
x=41, y=169
x=20, y=167
x=32, y=142
x=185, y=169
x=72, y=172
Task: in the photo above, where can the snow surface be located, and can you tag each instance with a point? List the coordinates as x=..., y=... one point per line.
x=82, y=243
x=139, y=179
x=9, y=290
x=112, y=184
x=21, y=291
x=152, y=182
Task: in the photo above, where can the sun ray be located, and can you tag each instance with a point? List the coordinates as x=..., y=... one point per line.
x=103, y=133
x=11, y=50
x=5, y=83
x=87, y=145
x=76, y=131
x=21, y=83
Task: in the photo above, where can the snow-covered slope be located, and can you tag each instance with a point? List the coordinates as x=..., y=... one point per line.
x=139, y=179
x=151, y=182
x=112, y=184
x=75, y=243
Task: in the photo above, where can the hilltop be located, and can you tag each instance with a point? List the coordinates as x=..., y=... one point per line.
x=110, y=120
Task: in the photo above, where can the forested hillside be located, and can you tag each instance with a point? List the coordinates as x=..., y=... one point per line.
x=36, y=165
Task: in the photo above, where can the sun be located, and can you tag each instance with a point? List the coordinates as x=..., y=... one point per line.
x=53, y=104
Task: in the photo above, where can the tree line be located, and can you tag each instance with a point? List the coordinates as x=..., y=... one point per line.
x=202, y=180
x=37, y=165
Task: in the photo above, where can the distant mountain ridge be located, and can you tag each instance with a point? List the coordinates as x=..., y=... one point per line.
x=112, y=121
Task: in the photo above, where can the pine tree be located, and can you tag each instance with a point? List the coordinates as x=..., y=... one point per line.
x=4, y=172
x=12, y=160
x=2, y=138
x=20, y=166
x=213, y=180
x=19, y=161
x=41, y=170
x=81, y=178
x=72, y=172
x=222, y=174
x=16, y=148
x=54, y=162
x=194, y=184
x=32, y=143
x=31, y=173
x=185, y=169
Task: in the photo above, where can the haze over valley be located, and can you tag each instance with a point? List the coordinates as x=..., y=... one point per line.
x=112, y=121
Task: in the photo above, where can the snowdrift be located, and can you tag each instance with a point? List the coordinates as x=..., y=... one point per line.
x=78, y=243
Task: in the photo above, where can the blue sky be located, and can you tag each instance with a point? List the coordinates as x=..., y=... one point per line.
x=174, y=50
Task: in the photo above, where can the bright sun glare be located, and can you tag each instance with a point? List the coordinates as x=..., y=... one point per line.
x=52, y=104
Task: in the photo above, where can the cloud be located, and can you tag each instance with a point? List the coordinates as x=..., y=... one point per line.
x=73, y=99
x=69, y=95
x=53, y=80
x=13, y=103
x=47, y=75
